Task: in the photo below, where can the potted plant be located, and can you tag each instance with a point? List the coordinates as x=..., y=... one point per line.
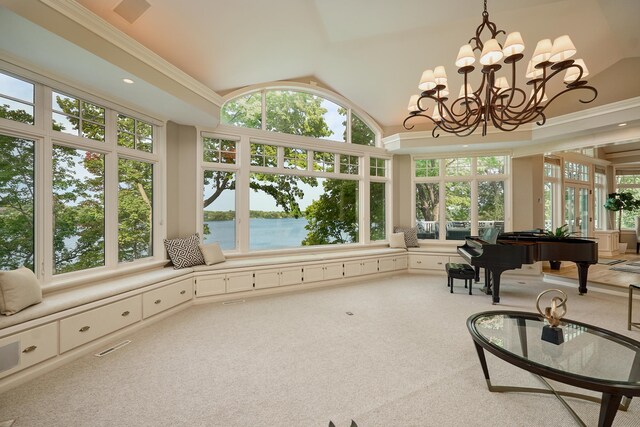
x=618, y=202
x=561, y=232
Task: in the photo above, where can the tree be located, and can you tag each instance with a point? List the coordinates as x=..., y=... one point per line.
x=333, y=218
x=17, y=196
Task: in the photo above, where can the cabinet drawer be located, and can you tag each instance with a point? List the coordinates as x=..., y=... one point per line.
x=333, y=271
x=370, y=266
x=428, y=262
x=352, y=268
x=82, y=328
x=153, y=302
x=31, y=347
x=214, y=285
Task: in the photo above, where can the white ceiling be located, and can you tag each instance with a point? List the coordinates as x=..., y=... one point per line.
x=370, y=51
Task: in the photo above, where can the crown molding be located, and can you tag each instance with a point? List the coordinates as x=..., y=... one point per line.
x=84, y=17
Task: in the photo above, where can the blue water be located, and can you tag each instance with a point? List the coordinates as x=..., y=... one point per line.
x=263, y=233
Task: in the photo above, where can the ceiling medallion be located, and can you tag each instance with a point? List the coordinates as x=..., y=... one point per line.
x=497, y=101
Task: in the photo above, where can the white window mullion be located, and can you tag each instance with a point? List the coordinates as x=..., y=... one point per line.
x=364, y=211
x=44, y=184
x=243, y=177
x=111, y=183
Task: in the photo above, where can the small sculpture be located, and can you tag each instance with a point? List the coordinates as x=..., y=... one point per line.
x=551, y=332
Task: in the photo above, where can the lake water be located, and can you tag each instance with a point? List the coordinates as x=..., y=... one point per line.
x=263, y=233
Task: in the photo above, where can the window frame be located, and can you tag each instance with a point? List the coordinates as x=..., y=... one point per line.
x=473, y=178
x=45, y=137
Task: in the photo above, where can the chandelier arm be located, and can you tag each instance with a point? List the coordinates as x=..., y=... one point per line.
x=411, y=116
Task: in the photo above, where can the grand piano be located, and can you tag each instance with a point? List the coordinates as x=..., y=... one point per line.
x=512, y=250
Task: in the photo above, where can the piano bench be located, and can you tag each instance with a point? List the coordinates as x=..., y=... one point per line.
x=630, y=322
x=460, y=271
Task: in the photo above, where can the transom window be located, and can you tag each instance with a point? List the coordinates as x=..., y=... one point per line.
x=264, y=155
x=378, y=167
x=17, y=100
x=576, y=171
x=324, y=162
x=75, y=116
x=217, y=150
x=134, y=133
x=297, y=112
x=295, y=158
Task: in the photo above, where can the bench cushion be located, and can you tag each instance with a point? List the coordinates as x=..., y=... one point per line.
x=459, y=270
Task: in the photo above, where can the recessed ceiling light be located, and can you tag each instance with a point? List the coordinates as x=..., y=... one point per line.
x=465, y=146
x=127, y=81
x=622, y=124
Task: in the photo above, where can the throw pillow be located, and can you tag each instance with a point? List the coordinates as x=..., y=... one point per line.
x=212, y=253
x=18, y=289
x=410, y=236
x=396, y=240
x=184, y=252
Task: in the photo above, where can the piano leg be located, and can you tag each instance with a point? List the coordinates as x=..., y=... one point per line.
x=494, y=279
x=583, y=270
x=487, y=282
x=477, y=274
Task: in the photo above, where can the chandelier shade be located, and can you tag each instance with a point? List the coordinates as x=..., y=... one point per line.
x=498, y=100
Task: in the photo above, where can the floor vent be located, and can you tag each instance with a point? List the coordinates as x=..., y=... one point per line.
x=235, y=301
x=112, y=349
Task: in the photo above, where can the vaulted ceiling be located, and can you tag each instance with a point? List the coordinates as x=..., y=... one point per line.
x=370, y=51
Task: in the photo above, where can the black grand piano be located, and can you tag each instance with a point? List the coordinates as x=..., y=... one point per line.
x=512, y=250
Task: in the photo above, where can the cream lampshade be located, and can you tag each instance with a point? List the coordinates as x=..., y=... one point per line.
x=428, y=80
x=413, y=103
x=491, y=52
x=465, y=56
x=513, y=45
x=562, y=49
x=542, y=52
x=573, y=73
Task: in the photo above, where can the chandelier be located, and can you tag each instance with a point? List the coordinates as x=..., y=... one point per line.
x=496, y=100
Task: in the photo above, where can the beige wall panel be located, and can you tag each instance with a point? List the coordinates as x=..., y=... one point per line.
x=527, y=199
x=182, y=180
x=402, y=209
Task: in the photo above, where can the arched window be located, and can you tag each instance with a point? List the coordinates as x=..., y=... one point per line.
x=298, y=112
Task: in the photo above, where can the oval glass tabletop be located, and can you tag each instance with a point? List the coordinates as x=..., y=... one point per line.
x=588, y=352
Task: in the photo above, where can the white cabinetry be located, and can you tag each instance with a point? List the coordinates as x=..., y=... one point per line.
x=217, y=284
x=317, y=273
x=392, y=263
x=30, y=347
x=93, y=324
x=361, y=267
x=278, y=277
x=161, y=299
x=427, y=262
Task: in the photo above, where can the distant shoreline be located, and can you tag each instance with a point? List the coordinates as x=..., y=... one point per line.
x=230, y=215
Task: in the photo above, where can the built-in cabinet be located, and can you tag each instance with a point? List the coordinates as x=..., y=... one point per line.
x=19, y=351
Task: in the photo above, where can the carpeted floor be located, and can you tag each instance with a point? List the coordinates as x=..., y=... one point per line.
x=403, y=358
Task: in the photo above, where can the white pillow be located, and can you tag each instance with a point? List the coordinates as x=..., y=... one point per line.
x=396, y=240
x=18, y=289
x=212, y=253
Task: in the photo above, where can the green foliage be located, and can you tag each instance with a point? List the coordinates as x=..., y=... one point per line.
x=231, y=215
x=377, y=211
x=560, y=232
x=17, y=197
x=333, y=218
x=361, y=133
x=245, y=111
x=619, y=202
x=135, y=210
x=296, y=113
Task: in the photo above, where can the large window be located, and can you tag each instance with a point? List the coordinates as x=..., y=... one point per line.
x=297, y=112
x=552, y=194
x=600, y=196
x=135, y=210
x=628, y=181
x=78, y=209
x=458, y=197
x=17, y=198
x=220, y=208
x=91, y=167
x=297, y=196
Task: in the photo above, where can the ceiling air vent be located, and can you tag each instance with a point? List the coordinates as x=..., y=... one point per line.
x=131, y=9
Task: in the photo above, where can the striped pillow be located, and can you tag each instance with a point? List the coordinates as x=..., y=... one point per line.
x=410, y=236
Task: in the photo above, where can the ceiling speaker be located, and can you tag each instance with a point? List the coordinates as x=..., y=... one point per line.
x=131, y=9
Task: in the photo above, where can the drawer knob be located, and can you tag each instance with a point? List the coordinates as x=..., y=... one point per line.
x=182, y=292
x=84, y=328
x=419, y=262
x=125, y=313
x=158, y=301
x=30, y=349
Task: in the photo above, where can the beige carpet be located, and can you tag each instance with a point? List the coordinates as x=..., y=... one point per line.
x=404, y=358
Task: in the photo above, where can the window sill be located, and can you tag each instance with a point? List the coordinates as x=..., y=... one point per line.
x=60, y=283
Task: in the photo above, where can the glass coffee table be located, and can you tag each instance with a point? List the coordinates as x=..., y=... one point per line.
x=591, y=358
